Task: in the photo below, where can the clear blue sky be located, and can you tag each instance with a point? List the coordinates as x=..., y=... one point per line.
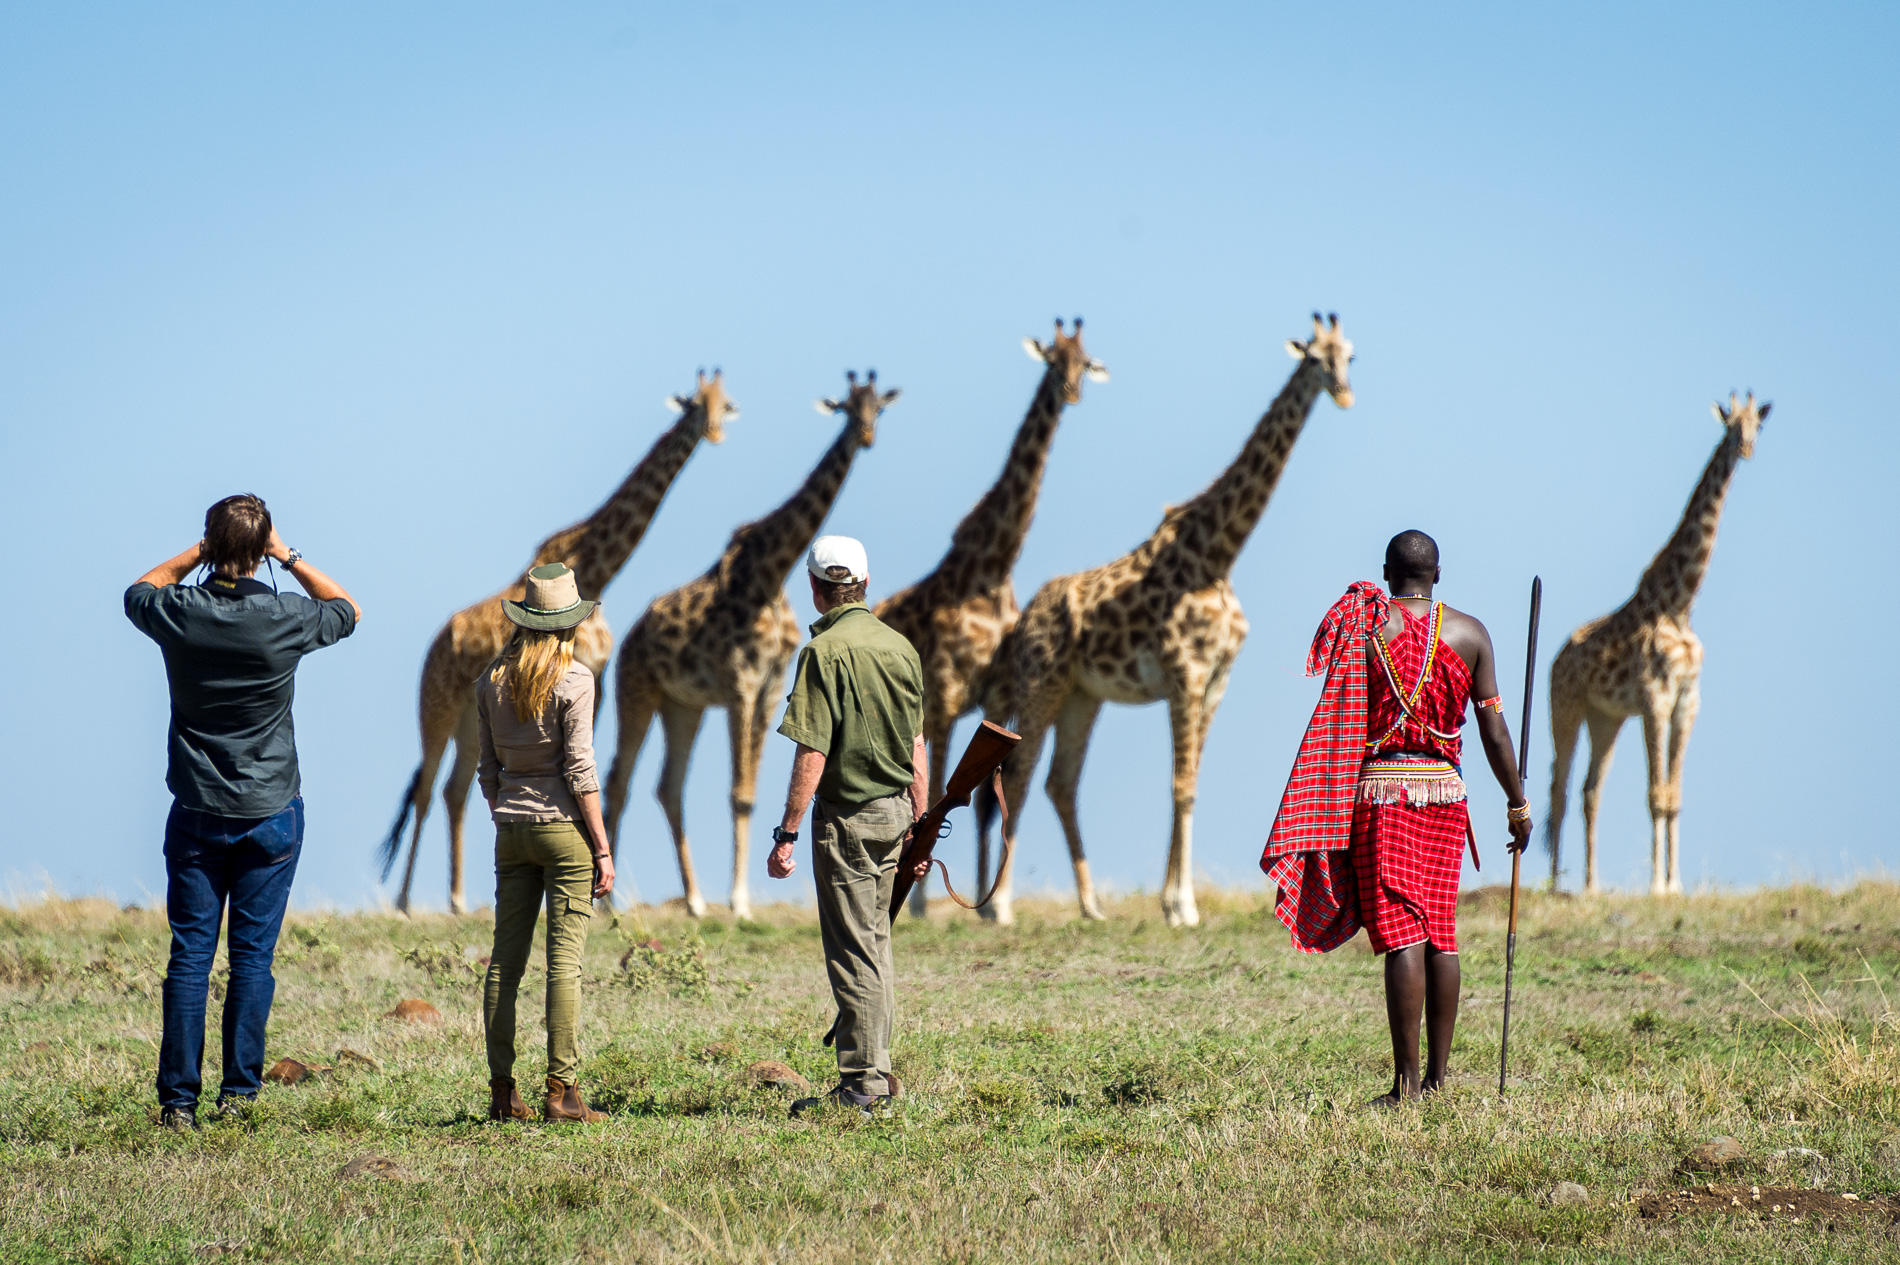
x=421, y=275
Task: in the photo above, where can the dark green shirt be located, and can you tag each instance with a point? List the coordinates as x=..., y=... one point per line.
x=858, y=698
x=231, y=649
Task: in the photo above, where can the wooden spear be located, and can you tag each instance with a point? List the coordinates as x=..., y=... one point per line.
x=1523, y=758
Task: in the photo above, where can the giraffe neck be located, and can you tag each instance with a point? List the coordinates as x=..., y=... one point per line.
x=598, y=546
x=1211, y=529
x=986, y=544
x=763, y=552
x=1670, y=584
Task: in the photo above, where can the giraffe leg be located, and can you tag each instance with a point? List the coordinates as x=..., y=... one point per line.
x=1602, y=748
x=747, y=721
x=680, y=723
x=1073, y=726
x=1187, y=731
x=636, y=698
x=437, y=728
x=1656, y=740
x=1566, y=723
x=455, y=799
x=937, y=745
x=1688, y=703
x=1037, y=714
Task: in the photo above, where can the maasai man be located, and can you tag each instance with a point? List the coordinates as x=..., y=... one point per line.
x=1371, y=831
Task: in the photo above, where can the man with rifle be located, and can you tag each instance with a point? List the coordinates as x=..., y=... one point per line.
x=856, y=711
x=1373, y=826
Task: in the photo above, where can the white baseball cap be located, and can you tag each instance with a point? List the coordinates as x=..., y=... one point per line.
x=830, y=552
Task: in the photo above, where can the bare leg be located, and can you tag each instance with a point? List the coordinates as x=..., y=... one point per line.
x=455, y=798
x=1073, y=726
x=1441, y=1015
x=1404, y=1002
x=680, y=724
x=1656, y=741
x=1602, y=748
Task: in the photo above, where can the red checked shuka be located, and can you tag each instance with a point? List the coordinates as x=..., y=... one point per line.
x=1377, y=778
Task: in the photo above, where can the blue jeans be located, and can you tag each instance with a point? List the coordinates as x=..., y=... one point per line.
x=209, y=861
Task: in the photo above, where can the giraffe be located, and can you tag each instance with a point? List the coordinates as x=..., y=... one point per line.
x=596, y=548
x=1161, y=622
x=1643, y=660
x=725, y=640
x=956, y=616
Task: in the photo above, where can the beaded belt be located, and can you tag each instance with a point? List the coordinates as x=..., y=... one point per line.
x=1398, y=780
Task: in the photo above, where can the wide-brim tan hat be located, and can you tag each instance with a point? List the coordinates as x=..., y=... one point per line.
x=553, y=600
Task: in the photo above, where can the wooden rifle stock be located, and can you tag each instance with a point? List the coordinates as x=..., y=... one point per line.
x=989, y=747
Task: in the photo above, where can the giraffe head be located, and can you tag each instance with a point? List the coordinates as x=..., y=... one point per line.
x=1744, y=417
x=710, y=402
x=861, y=404
x=1071, y=364
x=1329, y=349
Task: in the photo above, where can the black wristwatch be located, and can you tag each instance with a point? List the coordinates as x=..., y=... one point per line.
x=781, y=835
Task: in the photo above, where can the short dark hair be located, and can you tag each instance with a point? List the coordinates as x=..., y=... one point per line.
x=236, y=531
x=839, y=593
x=1412, y=555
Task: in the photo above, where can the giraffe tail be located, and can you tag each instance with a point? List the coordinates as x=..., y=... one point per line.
x=391, y=846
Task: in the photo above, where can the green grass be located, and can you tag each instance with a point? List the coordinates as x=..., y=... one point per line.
x=1100, y=1092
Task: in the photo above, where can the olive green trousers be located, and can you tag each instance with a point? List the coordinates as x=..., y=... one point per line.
x=854, y=862
x=536, y=862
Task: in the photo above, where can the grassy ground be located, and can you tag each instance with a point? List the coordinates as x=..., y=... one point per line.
x=1104, y=1092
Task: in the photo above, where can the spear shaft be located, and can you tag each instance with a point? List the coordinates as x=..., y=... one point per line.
x=1523, y=758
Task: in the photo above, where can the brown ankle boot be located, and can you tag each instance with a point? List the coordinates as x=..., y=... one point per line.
x=504, y=1100
x=564, y=1103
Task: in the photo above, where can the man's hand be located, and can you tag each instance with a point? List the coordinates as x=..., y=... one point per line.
x=781, y=863
x=603, y=874
x=1520, y=834
x=275, y=546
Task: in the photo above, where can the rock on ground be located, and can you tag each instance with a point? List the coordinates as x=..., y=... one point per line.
x=1717, y=1153
x=1568, y=1195
x=293, y=1072
x=772, y=1074
x=414, y=1010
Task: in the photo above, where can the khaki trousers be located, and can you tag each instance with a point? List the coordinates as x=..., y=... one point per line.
x=854, y=862
x=537, y=861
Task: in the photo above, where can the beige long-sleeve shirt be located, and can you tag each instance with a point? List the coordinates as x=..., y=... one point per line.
x=531, y=770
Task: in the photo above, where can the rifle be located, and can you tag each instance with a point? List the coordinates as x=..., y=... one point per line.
x=982, y=762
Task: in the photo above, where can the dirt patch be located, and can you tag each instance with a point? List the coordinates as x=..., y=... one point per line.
x=1769, y=1203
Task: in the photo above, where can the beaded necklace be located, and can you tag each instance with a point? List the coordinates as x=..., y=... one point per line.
x=1408, y=700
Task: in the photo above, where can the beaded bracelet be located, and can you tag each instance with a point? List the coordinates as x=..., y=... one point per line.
x=1518, y=812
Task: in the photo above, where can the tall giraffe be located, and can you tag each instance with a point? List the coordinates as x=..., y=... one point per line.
x=1643, y=660
x=1161, y=622
x=956, y=616
x=595, y=548
x=725, y=640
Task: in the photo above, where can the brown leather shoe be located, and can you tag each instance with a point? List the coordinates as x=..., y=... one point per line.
x=564, y=1103
x=504, y=1100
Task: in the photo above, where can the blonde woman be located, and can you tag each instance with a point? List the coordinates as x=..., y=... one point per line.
x=535, y=707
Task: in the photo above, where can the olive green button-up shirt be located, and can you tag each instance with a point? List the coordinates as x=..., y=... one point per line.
x=857, y=698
